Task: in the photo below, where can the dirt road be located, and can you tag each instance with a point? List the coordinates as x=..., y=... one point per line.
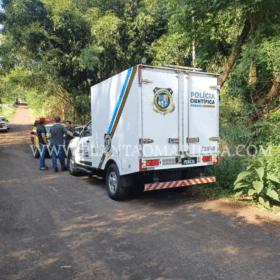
x=55, y=226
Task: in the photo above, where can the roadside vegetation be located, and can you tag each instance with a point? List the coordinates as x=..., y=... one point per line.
x=53, y=51
x=7, y=112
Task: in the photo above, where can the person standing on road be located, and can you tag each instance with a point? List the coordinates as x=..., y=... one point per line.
x=69, y=137
x=41, y=134
x=56, y=138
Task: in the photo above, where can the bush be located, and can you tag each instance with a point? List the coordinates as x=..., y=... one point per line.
x=232, y=136
x=261, y=179
x=225, y=173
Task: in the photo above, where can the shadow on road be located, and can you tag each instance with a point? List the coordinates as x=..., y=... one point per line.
x=55, y=226
x=17, y=135
x=117, y=245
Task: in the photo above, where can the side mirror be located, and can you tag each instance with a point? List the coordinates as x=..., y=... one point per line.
x=76, y=133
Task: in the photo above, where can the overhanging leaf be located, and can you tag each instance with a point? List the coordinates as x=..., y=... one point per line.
x=260, y=172
x=258, y=186
x=249, y=167
x=273, y=178
x=239, y=186
x=272, y=194
x=251, y=192
x=241, y=176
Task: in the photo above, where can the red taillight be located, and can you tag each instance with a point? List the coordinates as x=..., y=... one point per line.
x=141, y=167
x=152, y=162
x=208, y=158
x=216, y=162
x=147, y=163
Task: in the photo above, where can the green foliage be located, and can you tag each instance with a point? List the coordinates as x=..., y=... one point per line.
x=264, y=132
x=7, y=112
x=232, y=108
x=232, y=136
x=273, y=159
x=226, y=171
x=57, y=49
x=61, y=48
x=259, y=182
x=170, y=49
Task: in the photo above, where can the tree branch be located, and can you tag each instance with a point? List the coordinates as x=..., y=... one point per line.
x=274, y=91
x=234, y=52
x=267, y=116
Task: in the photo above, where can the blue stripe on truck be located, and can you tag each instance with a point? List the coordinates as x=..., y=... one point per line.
x=120, y=100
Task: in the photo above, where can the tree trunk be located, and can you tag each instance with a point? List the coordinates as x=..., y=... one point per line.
x=274, y=91
x=253, y=74
x=234, y=52
x=253, y=68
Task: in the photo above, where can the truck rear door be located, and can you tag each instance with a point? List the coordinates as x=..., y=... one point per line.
x=202, y=107
x=160, y=113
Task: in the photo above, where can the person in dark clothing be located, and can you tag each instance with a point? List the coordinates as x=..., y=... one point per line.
x=41, y=134
x=68, y=137
x=56, y=138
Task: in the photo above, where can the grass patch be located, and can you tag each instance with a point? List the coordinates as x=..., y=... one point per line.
x=213, y=191
x=7, y=112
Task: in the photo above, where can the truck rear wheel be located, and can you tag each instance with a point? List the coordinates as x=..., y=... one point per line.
x=113, y=183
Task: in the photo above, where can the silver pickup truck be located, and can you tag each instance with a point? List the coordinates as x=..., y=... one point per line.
x=4, y=124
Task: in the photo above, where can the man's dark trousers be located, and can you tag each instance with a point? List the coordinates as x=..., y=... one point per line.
x=43, y=150
x=58, y=149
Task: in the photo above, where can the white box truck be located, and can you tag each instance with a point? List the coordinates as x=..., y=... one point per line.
x=151, y=127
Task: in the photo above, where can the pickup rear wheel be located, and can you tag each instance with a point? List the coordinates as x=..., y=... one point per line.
x=71, y=164
x=113, y=183
x=37, y=149
x=37, y=153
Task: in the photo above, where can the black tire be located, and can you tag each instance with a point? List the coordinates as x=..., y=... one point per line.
x=113, y=183
x=71, y=164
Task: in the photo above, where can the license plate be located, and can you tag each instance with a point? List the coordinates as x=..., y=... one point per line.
x=186, y=161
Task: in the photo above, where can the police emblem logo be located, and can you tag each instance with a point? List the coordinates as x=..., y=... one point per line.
x=163, y=101
x=108, y=144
